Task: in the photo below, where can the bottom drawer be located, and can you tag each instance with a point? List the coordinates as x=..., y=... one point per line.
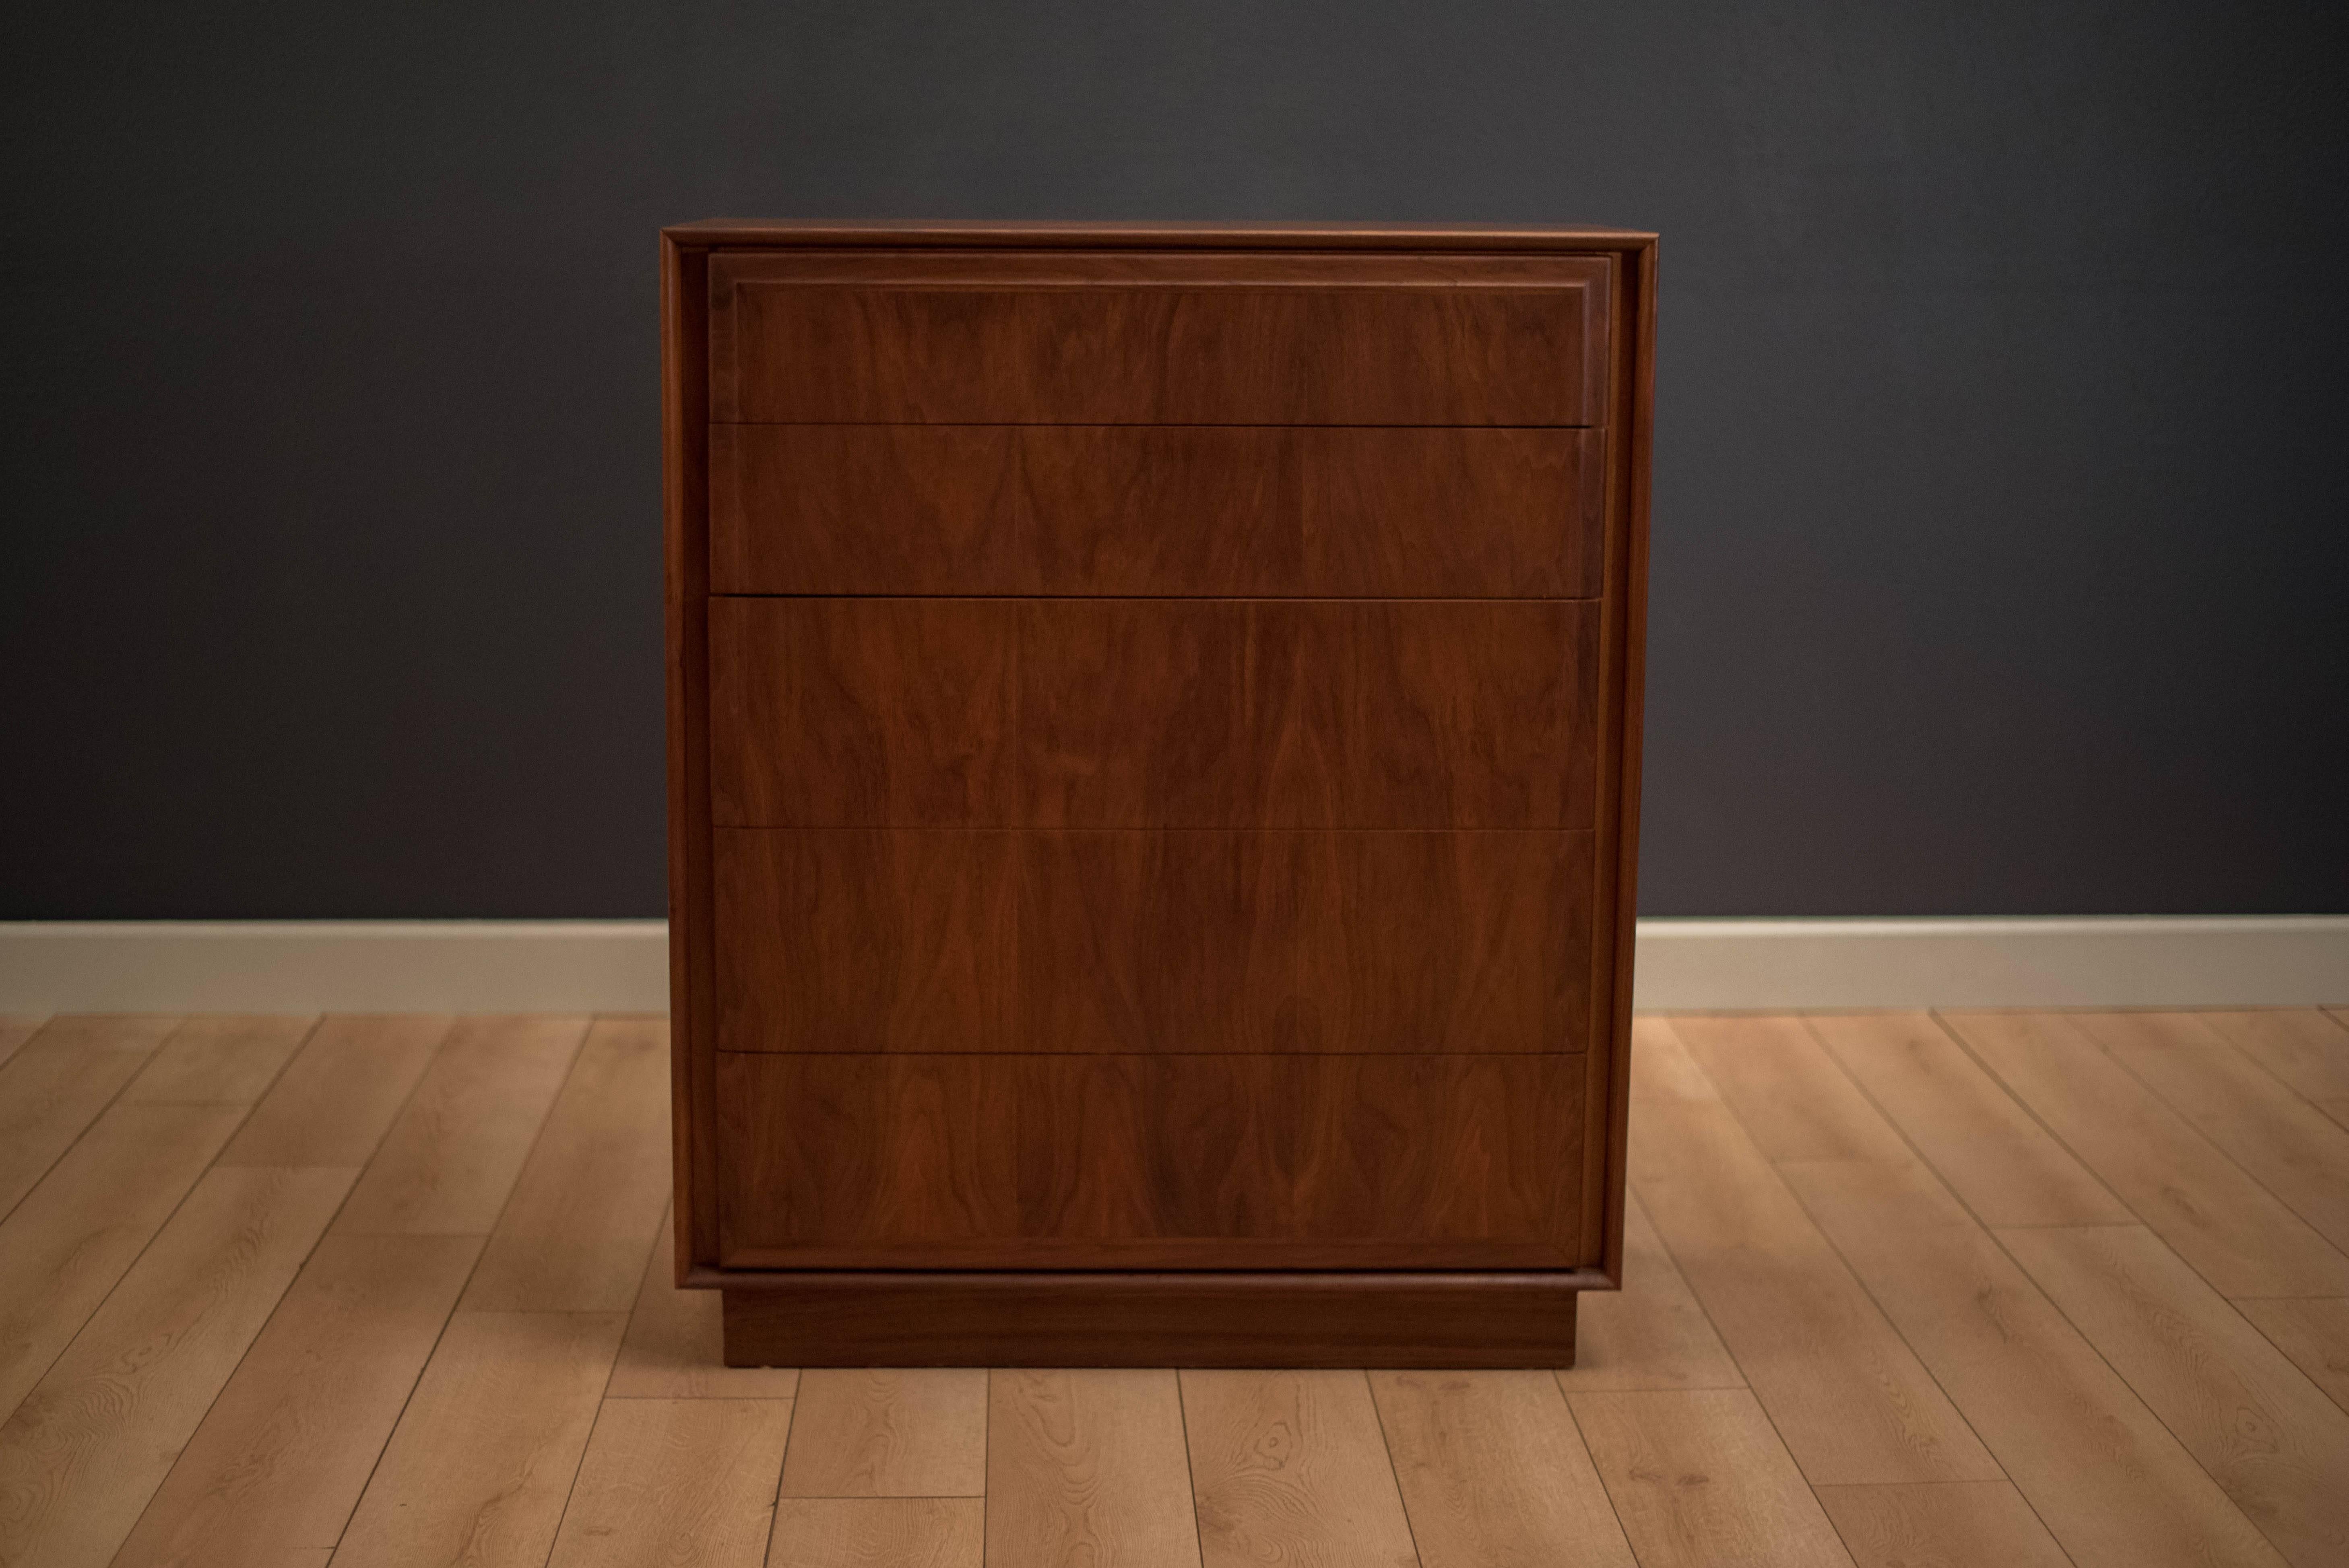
x=1150, y=1161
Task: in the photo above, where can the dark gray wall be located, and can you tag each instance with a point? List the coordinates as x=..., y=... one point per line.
x=2000, y=544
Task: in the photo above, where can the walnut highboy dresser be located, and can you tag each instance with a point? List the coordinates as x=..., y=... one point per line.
x=1153, y=768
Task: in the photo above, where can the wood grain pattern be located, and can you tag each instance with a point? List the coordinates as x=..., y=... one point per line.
x=869, y=509
x=2236, y=1233
x=1785, y=1090
x=848, y=1161
x=878, y=1532
x=2304, y=1047
x=1249, y=942
x=282, y=1455
x=1152, y=713
x=573, y=1235
x=1229, y=340
x=860, y=1432
x=1156, y=509
x=2312, y=1330
x=873, y=712
x=2287, y=1145
x=1845, y=1390
x=447, y=1164
x=1111, y=1318
x=1087, y=1470
x=2108, y=1478
x=1993, y=1154
x=1699, y=1479
x=675, y=1347
x=1942, y=1524
x=1652, y=1334
x=686, y=1483
x=339, y=1096
x=2276, y=1445
x=127, y=1394
x=80, y=1228
x=55, y=1084
x=865, y=940
x=1308, y=714
x=1291, y=1468
x=224, y=1060
x=484, y=1456
x=984, y=940
x=1494, y=1474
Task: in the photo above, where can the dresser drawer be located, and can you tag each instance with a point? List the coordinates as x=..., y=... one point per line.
x=1139, y=1162
x=1154, y=713
x=1156, y=509
x=1213, y=339
x=1182, y=942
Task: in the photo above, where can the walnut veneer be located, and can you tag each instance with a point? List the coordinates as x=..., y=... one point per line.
x=1154, y=764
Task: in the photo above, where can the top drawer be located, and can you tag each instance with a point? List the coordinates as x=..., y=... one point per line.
x=1216, y=338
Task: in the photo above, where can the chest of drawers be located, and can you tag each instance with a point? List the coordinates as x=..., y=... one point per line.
x=1154, y=765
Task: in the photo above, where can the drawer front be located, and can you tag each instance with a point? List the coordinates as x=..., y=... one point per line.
x=965, y=940
x=1166, y=509
x=1145, y=713
x=1206, y=339
x=1137, y=1161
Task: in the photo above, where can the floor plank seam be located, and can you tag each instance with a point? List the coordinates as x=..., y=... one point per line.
x=1991, y=1232
x=1829, y=1242
x=2166, y=1103
x=112, y=1101
x=1394, y=1471
x=456, y=1302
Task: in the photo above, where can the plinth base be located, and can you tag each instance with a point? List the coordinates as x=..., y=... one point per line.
x=913, y=1319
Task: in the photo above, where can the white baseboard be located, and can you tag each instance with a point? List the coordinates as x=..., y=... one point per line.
x=2118, y=962
x=334, y=966
x=621, y=965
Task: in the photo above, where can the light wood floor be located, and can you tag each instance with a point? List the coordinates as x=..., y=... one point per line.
x=1984, y=1288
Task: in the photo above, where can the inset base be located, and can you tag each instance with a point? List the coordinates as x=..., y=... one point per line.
x=971, y=1319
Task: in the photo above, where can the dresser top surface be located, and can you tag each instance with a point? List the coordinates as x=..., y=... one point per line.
x=788, y=232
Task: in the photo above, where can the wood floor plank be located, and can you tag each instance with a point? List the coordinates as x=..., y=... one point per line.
x=675, y=1347
x=2312, y=1330
x=333, y=1103
x=1652, y=1334
x=1945, y=1524
x=573, y=1235
x=79, y=1229
x=2108, y=1478
x=2270, y=1437
x=878, y=1532
x=1291, y=1467
x=2236, y=1233
x=57, y=1082
x=2305, y=1047
x=482, y=1461
x=16, y=1029
x=1795, y=1103
x=2290, y=1147
x=1699, y=1479
x=1087, y=1470
x=1849, y=1397
x=450, y=1160
x=282, y=1455
x=878, y=1432
x=224, y=1059
x=1494, y=1473
x=1993, y=1154
x=686, y=1483
x=87, y=1448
